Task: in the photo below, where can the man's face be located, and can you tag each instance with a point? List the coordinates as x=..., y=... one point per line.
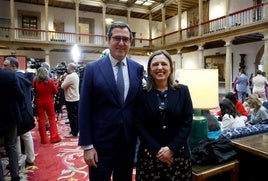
x=7, y=66
x=119, y=43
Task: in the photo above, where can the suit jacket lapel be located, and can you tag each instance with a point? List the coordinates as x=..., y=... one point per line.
x=132, y=73
x=108, y=75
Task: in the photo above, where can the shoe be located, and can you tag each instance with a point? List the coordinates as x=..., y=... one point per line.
x=70, y=136
x=28, y=164
x=8, y=167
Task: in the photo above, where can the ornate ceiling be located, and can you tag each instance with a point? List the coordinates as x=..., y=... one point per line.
x=138, y=8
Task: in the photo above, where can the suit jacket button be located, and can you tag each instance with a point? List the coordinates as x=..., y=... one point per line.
x=164, y=127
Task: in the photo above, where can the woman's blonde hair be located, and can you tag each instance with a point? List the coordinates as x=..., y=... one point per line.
x=254, y=102
x=150, y=82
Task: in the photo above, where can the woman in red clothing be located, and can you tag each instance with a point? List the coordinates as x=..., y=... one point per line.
x=45, y=90
x=238, y=104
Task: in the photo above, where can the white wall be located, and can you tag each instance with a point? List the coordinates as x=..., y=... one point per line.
x=139, y=26
x=236, y=5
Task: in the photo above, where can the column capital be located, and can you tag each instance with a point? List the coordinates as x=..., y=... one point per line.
x=228, y=43
x=179, y=52
x=201, y=47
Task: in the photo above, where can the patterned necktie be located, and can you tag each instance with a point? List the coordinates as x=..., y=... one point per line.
x=120, y=81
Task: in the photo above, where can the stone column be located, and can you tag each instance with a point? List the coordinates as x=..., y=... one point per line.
x=128, y=15
x=227, y=13
x=201, y=56
x=47, y=52
x=228, y=66
x=163, y=24
x=265, y=53
x=200, y=17
x=150, y=29
x=12, y=20
x=77, y=19
x=46, y=19
x=179, y=20
x=104, y=22
x=265, y=9
x=179, y=62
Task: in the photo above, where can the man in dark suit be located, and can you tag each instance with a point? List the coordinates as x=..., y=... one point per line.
x=106, y=116
x=26, y=110
x=10, y=94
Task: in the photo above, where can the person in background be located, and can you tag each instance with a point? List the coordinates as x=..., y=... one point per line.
x=45, y=90
x=12, y=64
x=242, y=85
x=266, y=85
x=259, y=112
x=214, y=128
x=230, y=117
x=165, y=124
x=238, y=105
x=234, y=86
x=70, y=85
x=250, y=83
x=107, y=109
x=10, y=95
x=259, y=85
x=47, y=66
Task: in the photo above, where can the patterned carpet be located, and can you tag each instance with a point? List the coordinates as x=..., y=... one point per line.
x=61, y=161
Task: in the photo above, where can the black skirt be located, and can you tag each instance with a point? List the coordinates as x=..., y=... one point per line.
x=150, y=168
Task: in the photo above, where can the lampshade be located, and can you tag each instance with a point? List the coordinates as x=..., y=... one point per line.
x=203, y=86
x=204, y=89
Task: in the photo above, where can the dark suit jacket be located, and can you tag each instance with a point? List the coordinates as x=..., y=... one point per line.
x=26, y=109
x=100, y=112
x=10, y=94
x=172, y=131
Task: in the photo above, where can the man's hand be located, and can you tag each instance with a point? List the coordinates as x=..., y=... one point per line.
x=91, y=157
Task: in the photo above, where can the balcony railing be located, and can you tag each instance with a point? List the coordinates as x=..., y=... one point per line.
x=244, y=17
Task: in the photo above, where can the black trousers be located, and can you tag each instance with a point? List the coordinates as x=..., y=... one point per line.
x=72, y=111
x=118, y=162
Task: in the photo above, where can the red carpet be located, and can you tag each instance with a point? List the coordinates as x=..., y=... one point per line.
x=61, y=161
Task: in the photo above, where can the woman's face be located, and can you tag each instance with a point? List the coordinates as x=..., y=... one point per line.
x=160, y=68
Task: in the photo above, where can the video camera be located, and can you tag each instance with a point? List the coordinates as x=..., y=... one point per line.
x=60, y=68
x=34, y=64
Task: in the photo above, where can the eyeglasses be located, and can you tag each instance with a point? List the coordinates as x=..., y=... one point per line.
x=119, y=38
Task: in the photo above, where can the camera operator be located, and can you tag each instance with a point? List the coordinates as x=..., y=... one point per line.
x=70, y=85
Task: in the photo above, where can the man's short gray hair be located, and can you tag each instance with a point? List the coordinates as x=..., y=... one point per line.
x=73, y=65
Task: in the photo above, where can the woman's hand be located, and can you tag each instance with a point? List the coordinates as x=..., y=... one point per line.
x=165, y=155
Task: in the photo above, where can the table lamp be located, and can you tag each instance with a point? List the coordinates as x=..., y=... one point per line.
x=204, y=89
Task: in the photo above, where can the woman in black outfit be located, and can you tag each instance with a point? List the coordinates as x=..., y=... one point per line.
x=167, y=114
